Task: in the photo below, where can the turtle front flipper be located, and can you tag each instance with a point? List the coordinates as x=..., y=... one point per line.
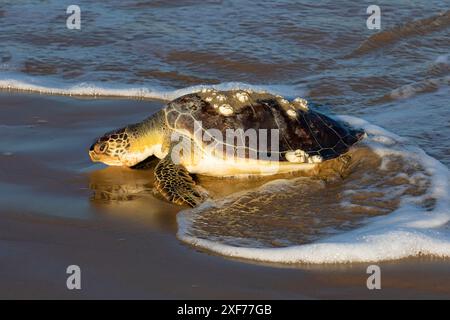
x=176, y=184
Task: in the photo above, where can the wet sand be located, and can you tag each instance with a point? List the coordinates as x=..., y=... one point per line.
x=59, y=209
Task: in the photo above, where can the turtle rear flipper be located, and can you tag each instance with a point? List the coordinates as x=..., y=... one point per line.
x=176, y=184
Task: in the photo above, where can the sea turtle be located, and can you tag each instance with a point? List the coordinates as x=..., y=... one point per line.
x=212, y=133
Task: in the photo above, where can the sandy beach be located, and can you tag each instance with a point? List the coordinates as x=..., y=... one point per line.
x=58, y=209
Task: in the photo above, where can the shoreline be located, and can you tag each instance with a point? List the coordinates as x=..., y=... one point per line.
x=123, y=266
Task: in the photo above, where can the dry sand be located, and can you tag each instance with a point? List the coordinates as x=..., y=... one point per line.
x=58, y=209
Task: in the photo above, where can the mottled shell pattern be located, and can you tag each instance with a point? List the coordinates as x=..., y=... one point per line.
x=304, y=135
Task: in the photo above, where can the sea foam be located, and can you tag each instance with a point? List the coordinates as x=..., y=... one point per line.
x=410, y=230
x=19, y=82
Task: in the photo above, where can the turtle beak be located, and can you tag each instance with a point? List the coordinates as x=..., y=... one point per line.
x=93, y=156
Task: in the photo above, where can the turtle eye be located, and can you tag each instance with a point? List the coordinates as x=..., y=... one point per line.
x=101, y=148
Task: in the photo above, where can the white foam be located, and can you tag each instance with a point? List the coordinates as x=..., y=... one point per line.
x=408, y=231
x=424, y=86
x=13, y=81
x=442, y=59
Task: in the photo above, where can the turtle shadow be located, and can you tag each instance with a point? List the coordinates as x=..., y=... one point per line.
x=128, y=194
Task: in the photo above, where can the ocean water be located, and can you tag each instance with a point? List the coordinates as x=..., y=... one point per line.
x=396, y=79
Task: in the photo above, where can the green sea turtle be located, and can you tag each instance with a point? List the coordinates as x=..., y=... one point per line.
x=213, y=133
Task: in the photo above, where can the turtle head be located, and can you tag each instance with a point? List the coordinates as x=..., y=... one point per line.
x=132, y=144
x=112, y=148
